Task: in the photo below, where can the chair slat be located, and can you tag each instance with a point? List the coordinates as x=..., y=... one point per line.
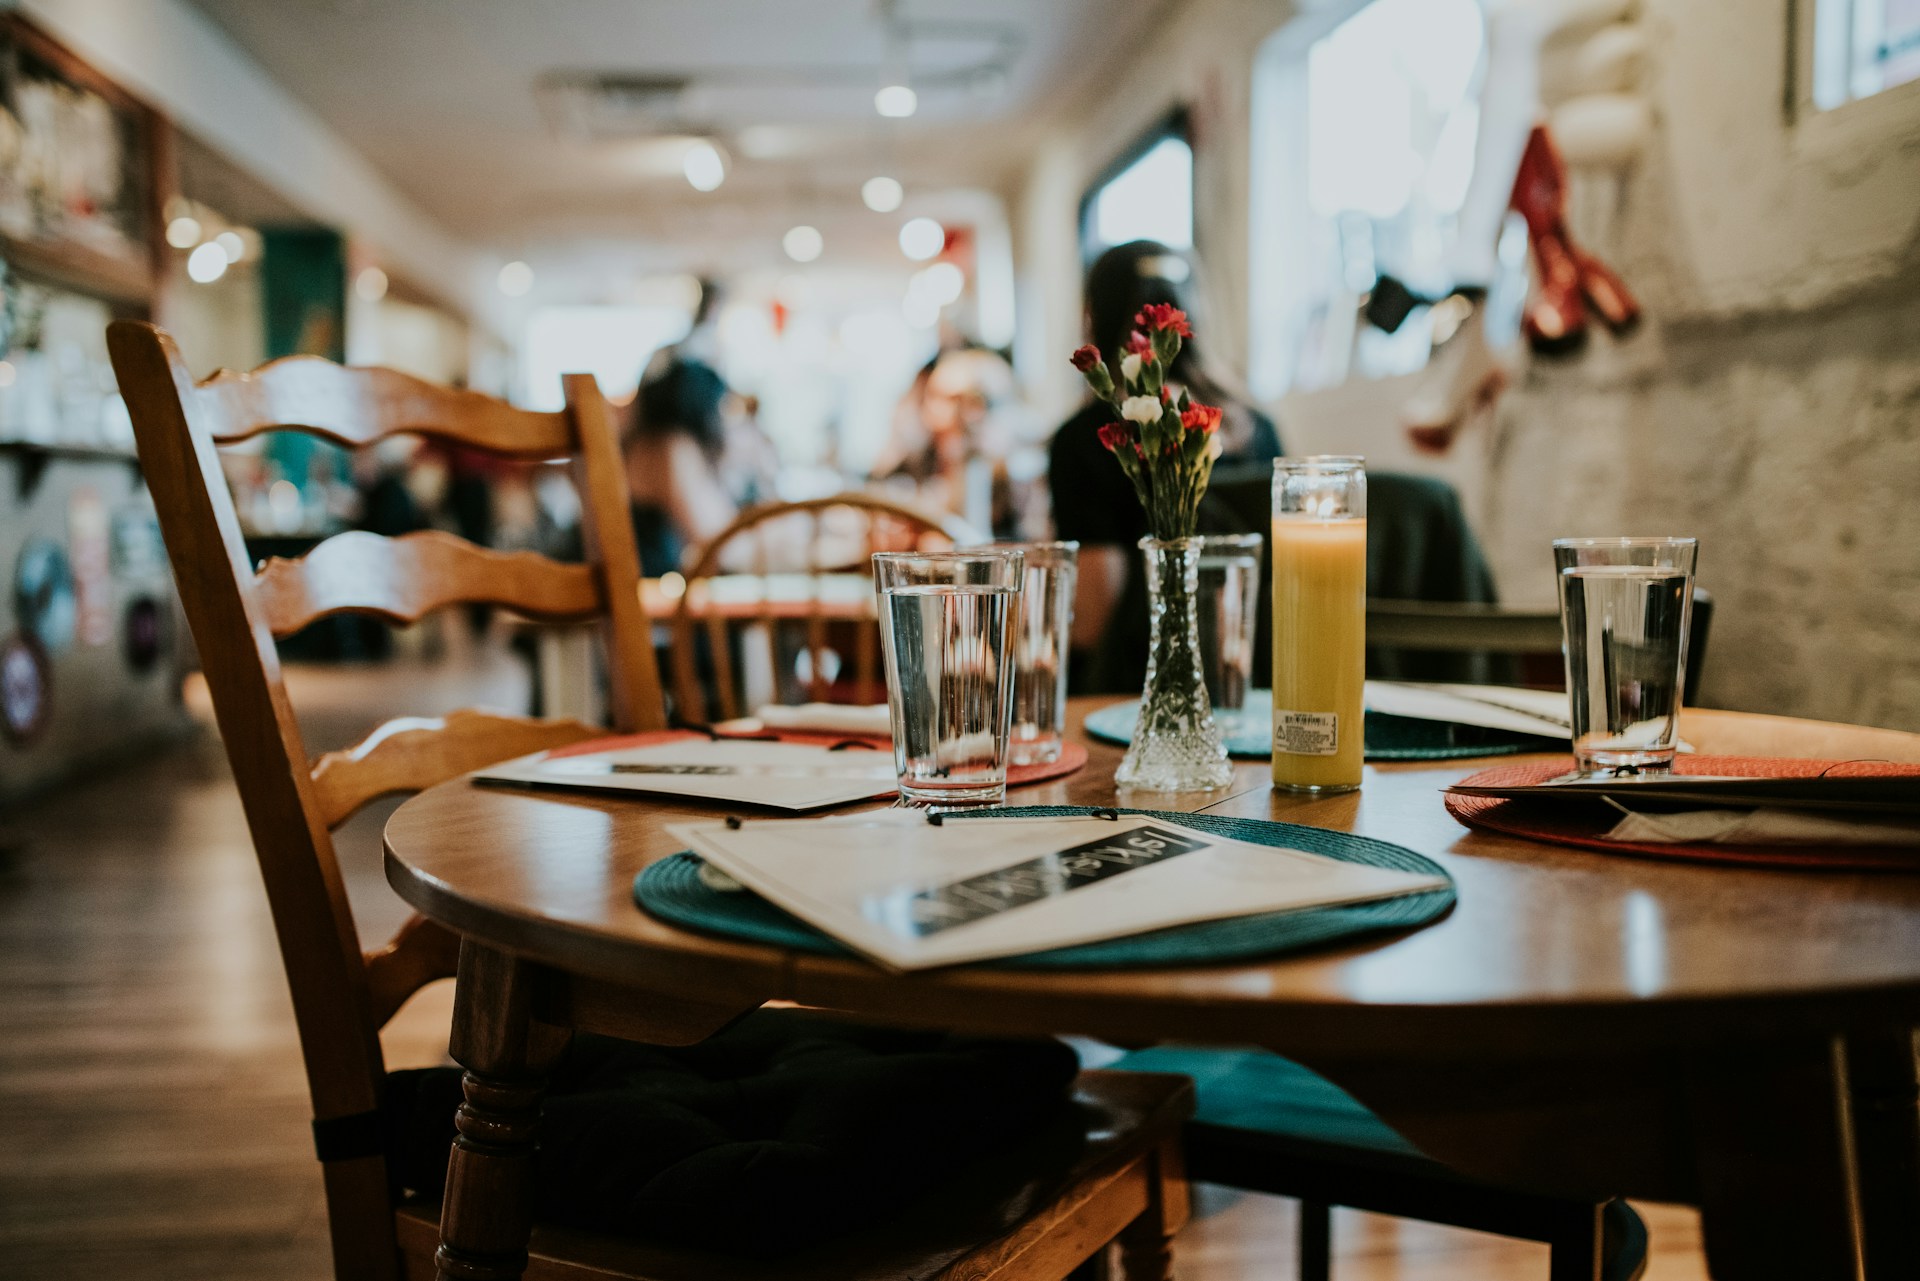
x=406, y=578
x=356, y=407
x=420, y=953
x=415, y=752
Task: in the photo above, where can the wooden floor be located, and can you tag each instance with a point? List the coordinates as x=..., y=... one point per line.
x=153, y=1120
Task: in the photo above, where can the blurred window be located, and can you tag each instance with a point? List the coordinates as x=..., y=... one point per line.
x=613, y=343
x=1147, y=194
x=1861, y=47
x=1364, y=142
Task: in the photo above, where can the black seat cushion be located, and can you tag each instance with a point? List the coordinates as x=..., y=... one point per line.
x=779, y=1132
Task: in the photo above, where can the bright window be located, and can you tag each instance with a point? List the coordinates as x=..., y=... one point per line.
x=1861, y=47
x=1150, y=199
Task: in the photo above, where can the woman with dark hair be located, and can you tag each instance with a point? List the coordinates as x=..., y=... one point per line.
x=674, y=449
x=1093, y=501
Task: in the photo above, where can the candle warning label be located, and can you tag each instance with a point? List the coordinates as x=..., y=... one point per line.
x=1306, y=733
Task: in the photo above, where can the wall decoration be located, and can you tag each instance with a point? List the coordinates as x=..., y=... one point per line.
x=26, y=690
x=43, y=594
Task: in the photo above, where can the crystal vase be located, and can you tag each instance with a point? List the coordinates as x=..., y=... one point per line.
x=1176, y=745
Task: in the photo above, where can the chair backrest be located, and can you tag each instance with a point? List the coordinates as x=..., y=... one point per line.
x=341, y=996
x=1531, y=635
x=786, y=587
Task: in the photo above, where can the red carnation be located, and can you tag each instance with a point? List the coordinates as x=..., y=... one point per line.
x=1139, y=344
x=1086, y=358
x=1114, y=435
x=1160, y=315
x=1202, y=418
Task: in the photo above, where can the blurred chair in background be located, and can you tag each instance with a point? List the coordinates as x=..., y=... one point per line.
x=779, y=607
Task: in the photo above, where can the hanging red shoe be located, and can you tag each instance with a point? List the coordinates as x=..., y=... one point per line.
x=1607, y=294
x=1556, y=316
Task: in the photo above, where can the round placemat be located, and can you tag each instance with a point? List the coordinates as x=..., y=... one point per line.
x=673, y=891
x=1558, y=823
x=1389, y=738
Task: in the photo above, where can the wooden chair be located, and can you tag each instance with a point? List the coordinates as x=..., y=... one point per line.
x=1125, y=1183
x=1525, y=634
x=807, y=589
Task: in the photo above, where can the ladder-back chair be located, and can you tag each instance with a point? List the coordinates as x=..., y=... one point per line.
x=341, y=997
x=1126, y=1186
x=793, y=580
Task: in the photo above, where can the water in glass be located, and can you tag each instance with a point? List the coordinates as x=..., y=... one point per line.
x=950, y=683
x=1626, y=650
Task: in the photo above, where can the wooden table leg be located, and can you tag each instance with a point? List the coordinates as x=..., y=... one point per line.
x=1883, y=1094
x=486, y=1215
x=1773, y=1162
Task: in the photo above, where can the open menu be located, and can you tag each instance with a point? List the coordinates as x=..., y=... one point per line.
x=911, y=894
x=1502, y=707
x=787, y=776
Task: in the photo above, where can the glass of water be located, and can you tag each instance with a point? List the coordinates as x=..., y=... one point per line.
x=1229, y=608
x=1041, y=638
x=1624, y=609
x=947, y=625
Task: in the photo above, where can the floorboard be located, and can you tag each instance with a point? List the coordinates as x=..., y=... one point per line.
x=153, y=1119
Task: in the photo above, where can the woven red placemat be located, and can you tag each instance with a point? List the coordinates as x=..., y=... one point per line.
x=1072, y=755
x=1583, y=826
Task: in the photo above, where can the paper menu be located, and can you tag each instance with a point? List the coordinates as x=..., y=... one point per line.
x=912, y=895
x=1505, y=707
x=788, y=776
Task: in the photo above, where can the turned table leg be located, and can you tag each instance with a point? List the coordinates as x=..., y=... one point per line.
x=486, y=1216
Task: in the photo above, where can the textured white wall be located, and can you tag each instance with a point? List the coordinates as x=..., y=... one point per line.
x=1772, y=404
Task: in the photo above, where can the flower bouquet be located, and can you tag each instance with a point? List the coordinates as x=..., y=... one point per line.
x=1165, y=442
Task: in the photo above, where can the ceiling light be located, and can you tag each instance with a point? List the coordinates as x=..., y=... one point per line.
x=942, y=281
x=883, y=195
x=183, y=232
x=896, y=102
x=803, y=243
x=515, y=279
x=231, y=245
x=922, y=238
x=206, y=264
x=371, y=284
x=704, y=166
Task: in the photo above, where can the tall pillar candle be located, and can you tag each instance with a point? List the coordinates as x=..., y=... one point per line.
x=1319, y=623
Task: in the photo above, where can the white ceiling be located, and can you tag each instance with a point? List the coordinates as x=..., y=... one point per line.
x=446, y=98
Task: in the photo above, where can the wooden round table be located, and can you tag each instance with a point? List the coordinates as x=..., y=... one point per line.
x=1585, y=1022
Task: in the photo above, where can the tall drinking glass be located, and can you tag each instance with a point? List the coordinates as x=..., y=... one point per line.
x=1229, y=609
x=1624, y=607
x=947, y=623
x=1319, y=622
x=1040, y=650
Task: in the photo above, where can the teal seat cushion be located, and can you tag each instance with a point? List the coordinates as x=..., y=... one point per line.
x=1262, y=1092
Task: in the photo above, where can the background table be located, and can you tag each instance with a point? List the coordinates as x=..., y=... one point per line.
x=1588, y=1023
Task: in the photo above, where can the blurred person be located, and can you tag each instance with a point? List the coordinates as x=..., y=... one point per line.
x=1093, y=501
x=957, y=428
x=675, y=447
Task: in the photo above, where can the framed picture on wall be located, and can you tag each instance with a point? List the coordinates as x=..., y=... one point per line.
x=78, y=202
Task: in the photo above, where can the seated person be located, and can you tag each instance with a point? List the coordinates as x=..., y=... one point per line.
x=952, y=439
x=674, y=452
x=1094, y=502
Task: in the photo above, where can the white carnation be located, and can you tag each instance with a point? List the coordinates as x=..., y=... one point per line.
x=1141, y=409
x=1130, y=365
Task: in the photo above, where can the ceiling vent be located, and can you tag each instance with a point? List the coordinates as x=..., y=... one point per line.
x=597, y=106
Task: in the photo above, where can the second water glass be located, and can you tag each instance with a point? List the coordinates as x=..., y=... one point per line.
x=1040, y=651
x=1229, y=609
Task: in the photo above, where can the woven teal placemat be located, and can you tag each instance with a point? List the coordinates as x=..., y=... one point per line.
x=1389, y=738
x=673, y=891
